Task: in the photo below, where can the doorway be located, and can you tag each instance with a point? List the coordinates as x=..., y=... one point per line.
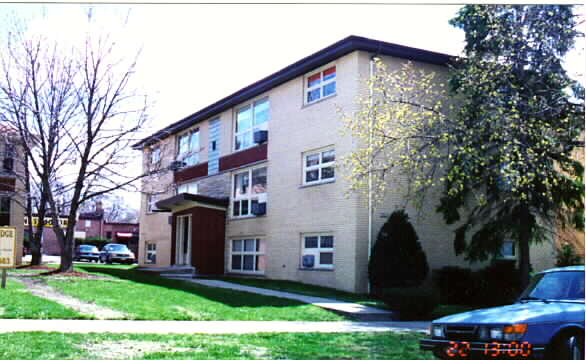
x=183, y=245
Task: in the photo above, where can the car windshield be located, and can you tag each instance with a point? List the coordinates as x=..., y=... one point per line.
x=560, y=285
x=87, y=248
x=117, y=247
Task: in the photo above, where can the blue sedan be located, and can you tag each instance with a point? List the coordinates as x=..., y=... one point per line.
x=547, y=322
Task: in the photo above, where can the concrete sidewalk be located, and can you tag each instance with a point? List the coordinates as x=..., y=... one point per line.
x=357, y=311
x=204, y=327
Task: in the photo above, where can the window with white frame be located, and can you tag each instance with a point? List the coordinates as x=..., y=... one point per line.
x=248, y=255
x=508, y=250
x=190, y=188
x=317, y=251
x=249, y=119
x=151, y=253
x=319, y=166
x=8, y=159
x=320, y=85
x=152, y=201
x=250, y=187
x=188, y=148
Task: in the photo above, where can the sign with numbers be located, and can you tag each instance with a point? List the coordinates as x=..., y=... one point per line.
x=7, y=247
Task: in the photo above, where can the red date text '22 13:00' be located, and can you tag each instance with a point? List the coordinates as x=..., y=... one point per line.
x=462, y=349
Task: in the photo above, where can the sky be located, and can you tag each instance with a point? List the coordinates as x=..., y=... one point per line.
x=193, y=55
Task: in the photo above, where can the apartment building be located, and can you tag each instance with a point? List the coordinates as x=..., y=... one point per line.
x=11, y=187
x=253, y=186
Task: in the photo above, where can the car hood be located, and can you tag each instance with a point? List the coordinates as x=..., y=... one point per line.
x=528, y=312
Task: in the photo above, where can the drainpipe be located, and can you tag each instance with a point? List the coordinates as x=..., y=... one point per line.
x=370, y=199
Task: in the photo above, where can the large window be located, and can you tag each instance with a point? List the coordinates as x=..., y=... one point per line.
x=248, y=256
x=250, y=188
x=320, y=85
x=190, y=188
x=319, y=167
x=188, y=149
x=317, y=251
x=248, y=120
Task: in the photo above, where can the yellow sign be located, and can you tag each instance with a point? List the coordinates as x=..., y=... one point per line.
x=7, y=247
x=48, y=221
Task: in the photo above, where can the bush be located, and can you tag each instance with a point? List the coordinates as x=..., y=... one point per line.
x=454, y=284
x=397, y=258
x=566, y=256
x=497, y=284
x=414, y=303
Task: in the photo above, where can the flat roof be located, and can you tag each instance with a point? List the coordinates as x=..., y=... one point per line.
x=322, y=57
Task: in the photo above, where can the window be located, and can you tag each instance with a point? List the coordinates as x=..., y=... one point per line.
x=151, y=253
x=508, y=249
x=250, y=188
x=88, y=223
x=155, y=155
x=108, y=234
x=248, y=120
x=8, y=158
x=4, y=205
x=248, y=256
x=317, y=251
x=188, y=148
x=320, y=85
x=318, y=167
x=152, y=200
x=190, y=188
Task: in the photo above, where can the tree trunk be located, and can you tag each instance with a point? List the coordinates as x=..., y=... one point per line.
x=526, y=229
x=35, y=242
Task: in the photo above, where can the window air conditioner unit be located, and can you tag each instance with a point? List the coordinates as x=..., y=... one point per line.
x=176, y=165
x=259, y=209
x=261, y=136
x=308, y=261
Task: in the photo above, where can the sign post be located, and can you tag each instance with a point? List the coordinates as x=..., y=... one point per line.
x=7, y=250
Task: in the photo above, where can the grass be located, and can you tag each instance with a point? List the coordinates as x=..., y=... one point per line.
x=17, y=303
x=45, y=346
x=148, y=297
x=306, y=289
x=313, y=290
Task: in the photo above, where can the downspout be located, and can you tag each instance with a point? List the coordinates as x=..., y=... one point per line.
x=370, y=199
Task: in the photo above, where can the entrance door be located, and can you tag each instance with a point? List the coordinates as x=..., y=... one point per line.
x=183, y=245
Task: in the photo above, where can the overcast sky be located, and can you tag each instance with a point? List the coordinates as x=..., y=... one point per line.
x=195, y=54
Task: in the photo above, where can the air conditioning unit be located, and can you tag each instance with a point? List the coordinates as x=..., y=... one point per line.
x=176, y=165
x=261, y=136
x=308, y=261
x=259, y=209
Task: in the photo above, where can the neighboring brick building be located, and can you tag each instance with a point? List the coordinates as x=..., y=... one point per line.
x=92, y=225
x=11, y=186
x=255, y=188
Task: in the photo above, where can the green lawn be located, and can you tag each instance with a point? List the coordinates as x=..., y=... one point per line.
x=45, y=346
x=17, y=303
x=148, y=297
x=312, y=290
x=306, y=289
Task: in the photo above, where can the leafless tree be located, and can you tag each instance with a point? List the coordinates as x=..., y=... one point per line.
x=77, y=113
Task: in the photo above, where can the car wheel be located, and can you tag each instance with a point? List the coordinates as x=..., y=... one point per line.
x=569, y=347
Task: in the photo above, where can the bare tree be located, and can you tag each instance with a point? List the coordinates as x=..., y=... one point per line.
x=77, y=114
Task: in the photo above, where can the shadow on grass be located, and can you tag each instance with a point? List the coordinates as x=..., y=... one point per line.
x=232, y=298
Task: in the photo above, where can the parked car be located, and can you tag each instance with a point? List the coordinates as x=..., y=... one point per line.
x=116, y=253
x=87, y=252
x=546, y=322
